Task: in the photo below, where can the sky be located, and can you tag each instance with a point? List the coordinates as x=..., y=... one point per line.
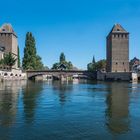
x=76, y=27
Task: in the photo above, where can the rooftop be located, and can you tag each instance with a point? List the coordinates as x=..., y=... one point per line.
x=7, y=28
x=117, y=28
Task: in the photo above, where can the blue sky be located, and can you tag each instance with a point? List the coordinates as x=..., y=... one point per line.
x=76, y=27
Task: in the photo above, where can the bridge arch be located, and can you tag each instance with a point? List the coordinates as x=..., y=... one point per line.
x=32, y=77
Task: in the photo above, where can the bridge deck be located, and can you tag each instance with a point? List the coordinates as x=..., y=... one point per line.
x=32, y=73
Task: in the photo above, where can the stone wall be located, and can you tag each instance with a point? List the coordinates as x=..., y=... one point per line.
x=114, y=76
x=118, y=50
x=8, y=40
x=14, y=74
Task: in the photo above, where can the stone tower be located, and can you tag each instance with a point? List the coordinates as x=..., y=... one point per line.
x=118, y=50
x=8, y=41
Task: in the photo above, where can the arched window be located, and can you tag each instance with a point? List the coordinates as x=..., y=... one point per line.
x=5, y=74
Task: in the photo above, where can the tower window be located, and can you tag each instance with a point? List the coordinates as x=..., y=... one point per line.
x=116, y=63
x=114, y=35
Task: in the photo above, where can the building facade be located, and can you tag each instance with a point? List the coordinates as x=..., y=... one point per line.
x=8, y=41
x=118, y=50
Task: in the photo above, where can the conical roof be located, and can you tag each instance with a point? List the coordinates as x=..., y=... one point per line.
x=117, y=28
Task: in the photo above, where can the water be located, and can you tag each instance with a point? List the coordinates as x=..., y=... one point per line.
x=69, y=111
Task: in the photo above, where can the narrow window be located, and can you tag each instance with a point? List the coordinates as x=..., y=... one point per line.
x=5, y=74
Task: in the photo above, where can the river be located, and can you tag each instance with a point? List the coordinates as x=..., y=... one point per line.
x=69, y=111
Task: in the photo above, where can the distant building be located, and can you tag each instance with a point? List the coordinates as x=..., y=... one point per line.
x=62, y=67
x=118, y=50
x=135, y=64
x=8, y=42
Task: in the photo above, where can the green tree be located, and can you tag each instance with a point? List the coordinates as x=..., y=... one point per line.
x=55, y=66
x=101, y=65
x=92, y=66
x=39, y=64
x=93, y=60
x=8, y=60
x=18, y=57
x=1, y=62
x=31, y=61
x=95, y=66
x=62, y=58
x=70, y=66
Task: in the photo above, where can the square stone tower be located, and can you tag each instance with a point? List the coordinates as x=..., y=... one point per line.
x=118, y=50
x=8, y=41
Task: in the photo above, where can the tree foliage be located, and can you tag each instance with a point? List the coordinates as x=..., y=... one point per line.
x=93, y=60
x=92, y=66
x=97, y=66
x=18, y=58
x=31, y=61
x=62, y=60
x=8, y=60
x=101, y=65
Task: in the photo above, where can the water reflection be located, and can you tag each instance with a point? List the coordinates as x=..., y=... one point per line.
x=33, y=110
x=30, y=94
x=9, y=92
x=118, y=108
x=63, y=89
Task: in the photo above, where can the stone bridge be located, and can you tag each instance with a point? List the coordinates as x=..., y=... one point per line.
x=59, y=73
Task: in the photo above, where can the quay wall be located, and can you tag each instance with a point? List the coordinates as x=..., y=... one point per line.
x=114, y=76
x=14, y=74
